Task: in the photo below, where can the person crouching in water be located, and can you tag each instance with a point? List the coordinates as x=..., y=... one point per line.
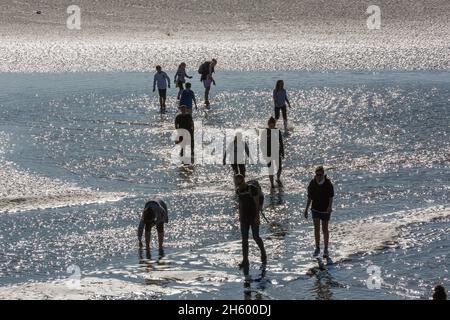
x=320, y=193
x=249, y=210
x=154, y=214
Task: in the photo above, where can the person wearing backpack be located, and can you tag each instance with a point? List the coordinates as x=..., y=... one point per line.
x=206, y=70
x=249, y=210
x=154, y=214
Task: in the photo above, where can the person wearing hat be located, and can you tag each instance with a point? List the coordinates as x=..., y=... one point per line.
x=320, y=195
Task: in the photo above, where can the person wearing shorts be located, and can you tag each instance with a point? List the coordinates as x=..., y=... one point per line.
x=154, y=214
x=320, y=195
x=280, y=99
x=162, y=80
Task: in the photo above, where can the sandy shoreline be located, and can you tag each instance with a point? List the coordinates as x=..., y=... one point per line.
x=288, y=35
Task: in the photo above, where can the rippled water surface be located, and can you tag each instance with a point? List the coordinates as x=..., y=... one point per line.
x=80, y=153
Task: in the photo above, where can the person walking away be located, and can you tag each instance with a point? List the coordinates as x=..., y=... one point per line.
x=187, y=97
x=249, y=217
x=180, y=78
x=239, y=150
x=162, y=80
x=185, y=121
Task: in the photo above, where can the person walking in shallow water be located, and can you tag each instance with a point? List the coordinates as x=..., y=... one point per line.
x=280, y=99
x=272, y=146
x=206, y=70
x=162, y=80
x=320, y=194
x=187, y=97
x=249, y=211
x=236, y=154
x=184, y=121
x=180, y=78
x=154, y=214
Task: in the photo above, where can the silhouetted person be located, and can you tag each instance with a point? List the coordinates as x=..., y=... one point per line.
x=249, y=210
x=439, y=293
x=187, y=96
x=272, y=146
x=185, y=121
x=180, y=78
x=280, y=99
x=320, y=193
x=206, y=70
x=162, y=80
x=154, y=214
x=239, y=150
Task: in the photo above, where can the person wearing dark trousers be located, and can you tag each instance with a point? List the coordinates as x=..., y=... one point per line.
x=249, y=217
x=235, y=152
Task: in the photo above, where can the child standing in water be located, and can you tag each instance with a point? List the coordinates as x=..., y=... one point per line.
x=180, y=78
x=279, y=100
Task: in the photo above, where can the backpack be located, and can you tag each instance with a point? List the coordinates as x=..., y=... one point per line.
x=204, y=68
x=256, y=184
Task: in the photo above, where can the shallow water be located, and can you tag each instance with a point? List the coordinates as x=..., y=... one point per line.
x=80, y=153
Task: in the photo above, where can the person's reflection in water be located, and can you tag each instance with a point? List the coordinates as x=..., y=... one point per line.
x=152, y=266
x=322, y=285
x=260, y=287
x=276, y=197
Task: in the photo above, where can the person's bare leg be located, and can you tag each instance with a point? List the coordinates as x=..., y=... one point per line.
x=148, y=228
x=317, y=232
x=272, y=185
x=325, y=233
x=160, y=239
x=279, y=173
